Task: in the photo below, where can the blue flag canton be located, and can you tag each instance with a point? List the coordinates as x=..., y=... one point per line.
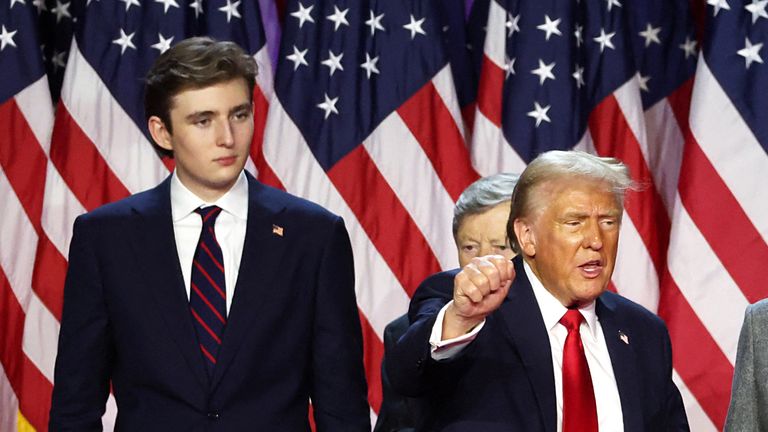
x=736, y=53
x=477, y=23
x=56, y=21
x=564, y=58
x=121, y=39
x=666, y=51
x=457, y=34
x=20, y=53
x=345, y=66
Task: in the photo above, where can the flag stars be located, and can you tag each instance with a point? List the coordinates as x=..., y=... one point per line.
x=750, y=52
x=167, y=4
x=512, y=24
x=231, y=9
x=61, y=11
x=540, y=113
x=578, y=34
x=13, y=2
x=129, y=3
x=757, y=9
x=304, y=14
x=550, y=27
x=338, y=17
x=374, y=22
x=58, y=60
x=509, y=67
x=333, y=62
x=125, y=41
x=6, y=38
x=197, y=5
x=642, y=82
x=689, y=47
x=612, y=3
x=163, y=44
x=544, y=71
x=329, y=105
x=415, y=27
x=719, y=4
x=651, y=34
x=578, y=75
x=605, y=40
x=370, y=65
x=298, y=58
x=40, y=5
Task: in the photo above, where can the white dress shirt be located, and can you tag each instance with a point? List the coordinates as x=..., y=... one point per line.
x=609, y=414
x=230, y=228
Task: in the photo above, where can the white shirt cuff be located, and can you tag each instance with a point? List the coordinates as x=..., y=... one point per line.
x=446, y=349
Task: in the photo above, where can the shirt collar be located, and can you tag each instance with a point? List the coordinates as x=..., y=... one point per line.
x=184, y=201
x=551, y=308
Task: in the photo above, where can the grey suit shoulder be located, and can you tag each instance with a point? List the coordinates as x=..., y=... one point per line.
x=749, y=395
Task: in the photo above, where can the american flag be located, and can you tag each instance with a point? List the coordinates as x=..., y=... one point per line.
x=366, y=117
x=26, y=119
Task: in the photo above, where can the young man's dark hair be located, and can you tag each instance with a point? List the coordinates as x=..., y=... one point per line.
x=193, y=63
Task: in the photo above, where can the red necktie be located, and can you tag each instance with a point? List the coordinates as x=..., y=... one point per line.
x=207, y=297
x=579, y=408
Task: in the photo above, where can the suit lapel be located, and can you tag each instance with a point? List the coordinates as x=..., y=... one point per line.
x=525, y=327
x=618, y=339
x=155, y=250
x=262, y=253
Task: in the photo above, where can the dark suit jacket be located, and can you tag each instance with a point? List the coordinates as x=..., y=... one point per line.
x=504, y=379
x=398, y=413
x=292, y=334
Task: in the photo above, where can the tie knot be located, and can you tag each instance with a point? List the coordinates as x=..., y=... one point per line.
x=572, y=319
x=209, y=214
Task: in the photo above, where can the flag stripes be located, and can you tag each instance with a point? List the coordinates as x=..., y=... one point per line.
x=409, y=156
x=369, y=196
x=9, y=404
x=380, y=295
x=440, y=137
x=31, y=387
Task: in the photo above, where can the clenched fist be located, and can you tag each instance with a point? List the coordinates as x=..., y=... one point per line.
x=478, y=289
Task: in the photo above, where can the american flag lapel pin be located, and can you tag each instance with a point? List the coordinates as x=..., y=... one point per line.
x=623, y=336
x=277, y=230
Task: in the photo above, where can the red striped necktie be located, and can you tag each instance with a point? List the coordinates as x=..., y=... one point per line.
x=207, y=297
x=579, y=408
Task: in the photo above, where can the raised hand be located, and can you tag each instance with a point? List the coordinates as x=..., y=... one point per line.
x=478, y=289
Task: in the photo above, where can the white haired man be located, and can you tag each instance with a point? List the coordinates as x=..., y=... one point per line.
x=552, y=350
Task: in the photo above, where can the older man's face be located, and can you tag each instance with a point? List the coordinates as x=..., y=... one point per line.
x=484, y=234
x=571, y=241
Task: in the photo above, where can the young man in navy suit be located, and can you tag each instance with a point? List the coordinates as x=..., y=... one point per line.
x=211, y=302
x=552, y=350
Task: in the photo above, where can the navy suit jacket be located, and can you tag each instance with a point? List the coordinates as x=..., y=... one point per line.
x=398, y=413
x=504, y=379
x=293, y=331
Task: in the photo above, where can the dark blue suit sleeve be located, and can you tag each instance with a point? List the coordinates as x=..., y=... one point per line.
x=408, y=360
x=398, y=413
x=82, y=373
x=339, y=391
